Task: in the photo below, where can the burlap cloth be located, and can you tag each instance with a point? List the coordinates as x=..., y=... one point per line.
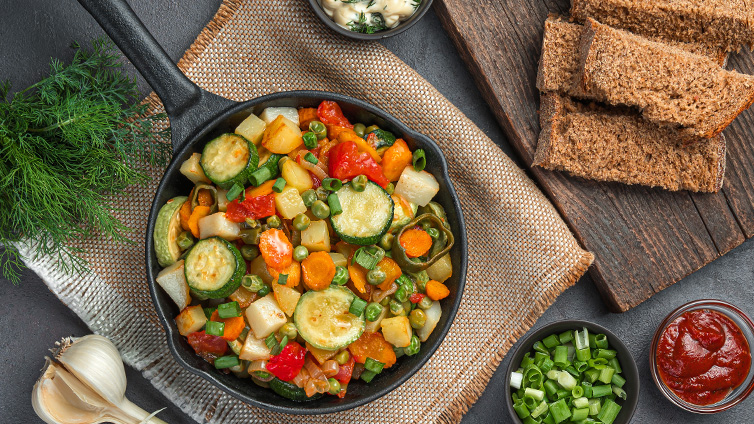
x=521, y=254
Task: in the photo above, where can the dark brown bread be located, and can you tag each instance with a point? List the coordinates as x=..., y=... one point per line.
x=728, y=24
x=669, y=85
x=593, y=142
x=559, y=61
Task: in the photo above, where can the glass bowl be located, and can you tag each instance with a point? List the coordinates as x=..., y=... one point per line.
x=743, y=322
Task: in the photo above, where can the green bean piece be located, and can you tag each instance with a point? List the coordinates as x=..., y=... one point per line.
x=227, y=361
x=300, y=253
x=332, y=184
x=185, y=240
x=373, y=311
x=367, y=376
x=376, y=276
x=373, y=365
x=320, y=209
x=609, y=412
x=413, y=347
x=419, y=160
x=371, y=128
x=360, y=129
x=334, y=386
x=359, y=183
x=560, y=411
x=357, y=306
x=208, y=312
x=249, y=252
x=234, y=191
x=417, y=318
x=387, y=241
x=279, y=185
x=310, y=140
x=214, y=328
x=319, y=129
x=309, y=157
x=342, y=357
x=425, y=303
x=309, y=197
x=551, y=341
x=396, y=307
x=264, y=291
x=334, y=202
x=390, y=189
x=288, y=329
x=341, y=276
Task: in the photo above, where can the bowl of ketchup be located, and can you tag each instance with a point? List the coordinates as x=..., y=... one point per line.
x=701, y=356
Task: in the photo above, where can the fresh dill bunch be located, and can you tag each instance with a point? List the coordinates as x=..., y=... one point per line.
x=69, y=147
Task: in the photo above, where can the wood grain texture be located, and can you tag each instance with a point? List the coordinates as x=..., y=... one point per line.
x=644, y=239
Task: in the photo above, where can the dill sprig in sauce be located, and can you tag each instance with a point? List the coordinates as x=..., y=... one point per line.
x=70, y=145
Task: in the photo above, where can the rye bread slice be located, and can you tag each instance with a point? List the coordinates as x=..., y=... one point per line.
x=559, y=61
x=728, y=24
x=617, y=144
x=670, y=86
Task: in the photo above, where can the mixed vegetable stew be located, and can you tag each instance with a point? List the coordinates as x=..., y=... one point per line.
x=309, y=252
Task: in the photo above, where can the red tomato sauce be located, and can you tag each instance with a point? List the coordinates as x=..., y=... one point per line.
x=702, y=356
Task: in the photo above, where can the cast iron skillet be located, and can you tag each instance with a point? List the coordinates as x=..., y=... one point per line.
x=196, y=116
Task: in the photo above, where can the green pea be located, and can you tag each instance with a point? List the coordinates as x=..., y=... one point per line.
x=319, y=129
x=301, y=222
x=376, y=276
x=334, y=386
x=320, y=209
x=341, y=276
x=300, y=253
x=396, y=307
x=342, y=357
x=401, y=295
x=359, y=183
x=417, y=318
x=249, y=252
x=360, y=129
x=433, y=233
x=413, y=348
x=288, y=329
x=309, y=197
x=371, y=128
x=425, y=303
x=373, y=311
x=386, y=242
x=274, y=221
x=322, y=193
x=390, y=189
x=252, y=283
x=264, y=291
x=385, y=301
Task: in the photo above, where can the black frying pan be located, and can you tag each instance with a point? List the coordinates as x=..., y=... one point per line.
x=197, y=116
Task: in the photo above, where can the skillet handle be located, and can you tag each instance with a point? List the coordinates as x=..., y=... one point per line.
x=187, y=105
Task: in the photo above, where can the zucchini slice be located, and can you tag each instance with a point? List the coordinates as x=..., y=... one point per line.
x=291, y=391
x=167, y=227
x=228, y=159
x=366, y=215
x=381, y=138
x=323, y=320
x=214, y=268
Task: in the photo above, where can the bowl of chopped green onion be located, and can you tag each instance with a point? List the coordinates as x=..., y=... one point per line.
x=572, y=371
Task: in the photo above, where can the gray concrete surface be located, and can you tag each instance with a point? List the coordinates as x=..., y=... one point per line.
x=32, y=31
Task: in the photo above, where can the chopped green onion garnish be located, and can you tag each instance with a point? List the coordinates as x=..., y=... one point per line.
x=608, y=412
x=619, y=392
x=539, y=410
x=606, y=375
x=367, y=375
x=279, y=185
x=227, y=362
x=618, y=380
x=521, y=410
x=214, y=328
x=282, y=279
x=234, y=191
x=259, y=176
x=600, y=341
x=271, y=341
x=373, y=365
x=419, y=160
x=580, y=414
x=534, y=393
x=334, y=202
x=580, y=401
x=357, y=306
x=279, y=346
x=559, y=411
x=310, y=139
x=565, y=337
x=332, y=184
x=602, y=390
x=368, y=259
x=550, y=341
x=309, y=157
x=208, y=312
x=229, y=310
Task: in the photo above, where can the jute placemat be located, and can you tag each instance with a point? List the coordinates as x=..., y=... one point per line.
x=521, y=254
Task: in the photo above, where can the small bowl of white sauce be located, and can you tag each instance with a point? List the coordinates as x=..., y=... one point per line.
x=370, y=19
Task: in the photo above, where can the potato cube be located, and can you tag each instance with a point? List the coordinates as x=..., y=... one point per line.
x=252, y=128
x=173, y=280
x=218, y=225
x=265, y=316
x=286, y=297
x=417, y=187
x=271, y=113
x=316, y=237
x=296, y=176
x=397, y=331
x=289, y=203
x=253, y=349
x=193, y=170
x=190, y=320
x=282, y=136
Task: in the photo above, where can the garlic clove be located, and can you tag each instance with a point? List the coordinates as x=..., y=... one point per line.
x=55, y=402
x=95, y=361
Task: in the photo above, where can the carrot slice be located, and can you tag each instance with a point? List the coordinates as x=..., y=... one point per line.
x=233, y=326
x=305, y=116
x=372, y=345
x=198, y=213
x=358, y=275
x=396, y=158
x=185, y=213
x=318, y=270
x=416, y=242
x=262, y=190
x=436, y=290
x=392, y=271
x=276, y=250
x=293, y=271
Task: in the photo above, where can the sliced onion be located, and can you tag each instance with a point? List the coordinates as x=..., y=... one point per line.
x=330, y=368
x=314, y=169
x=378, y=295
x=301, y=378
x=314, y=370
x=357, y=370
x=260, y=365
x=316, y=385
x=324, y=154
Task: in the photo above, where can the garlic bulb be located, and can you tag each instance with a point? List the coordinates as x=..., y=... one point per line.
x=88, y=385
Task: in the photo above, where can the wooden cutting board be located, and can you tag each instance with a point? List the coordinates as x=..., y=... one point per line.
x=644, y=239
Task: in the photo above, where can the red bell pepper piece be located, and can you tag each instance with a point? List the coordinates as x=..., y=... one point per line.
x=329, y=113
x=416, y=297
x=207, y=346
x=346, y=162
x=288, y=363
x=344, y=375
x=251, y=207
